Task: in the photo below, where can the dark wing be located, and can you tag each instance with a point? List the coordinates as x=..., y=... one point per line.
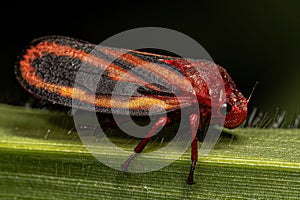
x=76, y=73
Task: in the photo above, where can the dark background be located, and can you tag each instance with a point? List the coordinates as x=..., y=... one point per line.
x=254, y=41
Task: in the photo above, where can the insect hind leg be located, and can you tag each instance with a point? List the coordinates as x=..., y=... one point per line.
x=161, y=122
x=194, y=155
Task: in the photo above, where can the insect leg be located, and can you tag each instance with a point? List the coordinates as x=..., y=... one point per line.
x=162, y=121
x=194, y=155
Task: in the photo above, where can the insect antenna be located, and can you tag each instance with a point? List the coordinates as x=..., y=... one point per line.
x=252, y=91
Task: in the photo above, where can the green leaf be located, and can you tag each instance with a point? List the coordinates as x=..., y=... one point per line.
x=42, y=157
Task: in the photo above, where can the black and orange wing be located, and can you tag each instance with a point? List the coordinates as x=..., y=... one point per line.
x=64, y=70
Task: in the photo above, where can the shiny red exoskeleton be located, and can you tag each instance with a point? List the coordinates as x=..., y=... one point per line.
x=48, y=68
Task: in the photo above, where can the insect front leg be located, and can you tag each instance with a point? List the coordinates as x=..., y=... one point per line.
x=161, y=122
x=194, y=119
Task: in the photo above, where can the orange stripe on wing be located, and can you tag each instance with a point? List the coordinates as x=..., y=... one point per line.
x=173, y=77
x=152, y=54
x=115, y=72
x=134, y=103
x=28, y=73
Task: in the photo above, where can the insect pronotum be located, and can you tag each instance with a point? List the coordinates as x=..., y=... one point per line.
x=48, y=67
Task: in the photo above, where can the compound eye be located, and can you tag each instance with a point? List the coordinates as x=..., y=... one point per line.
x=225, y=109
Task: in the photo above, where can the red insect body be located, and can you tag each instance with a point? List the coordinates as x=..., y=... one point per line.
x=236, y=104
x=49, y=66
x=235, y=107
